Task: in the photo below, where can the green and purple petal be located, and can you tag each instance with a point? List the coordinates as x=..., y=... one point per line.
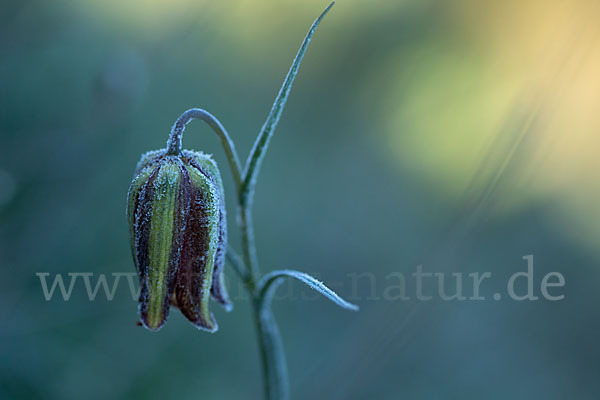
x=160, y=218
x=198, y=250
x=208, y=167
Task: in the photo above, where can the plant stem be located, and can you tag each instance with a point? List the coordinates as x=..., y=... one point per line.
x=274, y=368
x=248, y=247
x=274, y=371
x=275, y=376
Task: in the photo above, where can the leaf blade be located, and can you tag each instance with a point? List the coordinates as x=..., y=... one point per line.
x=270, y=281
x=261, y=144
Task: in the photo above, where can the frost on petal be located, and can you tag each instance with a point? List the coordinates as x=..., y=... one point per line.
x=160, y=220
x=207, y=166
x=150, y=158
x=198, y=251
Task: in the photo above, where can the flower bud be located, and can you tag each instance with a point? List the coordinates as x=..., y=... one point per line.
x=178, y=229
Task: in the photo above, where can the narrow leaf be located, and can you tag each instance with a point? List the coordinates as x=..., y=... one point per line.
x=269, y=283
x=262, y=141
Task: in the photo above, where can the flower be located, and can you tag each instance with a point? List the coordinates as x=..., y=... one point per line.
x=176, y=214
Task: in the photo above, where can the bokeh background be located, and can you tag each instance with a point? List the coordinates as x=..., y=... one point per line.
x=459, y=135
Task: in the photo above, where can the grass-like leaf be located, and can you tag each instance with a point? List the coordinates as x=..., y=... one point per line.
x=270, y=281
x=262, y=141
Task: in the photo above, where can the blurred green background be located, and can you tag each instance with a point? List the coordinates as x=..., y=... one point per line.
x=460, y=135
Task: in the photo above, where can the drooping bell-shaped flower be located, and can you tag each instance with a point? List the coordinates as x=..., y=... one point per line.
x=176, y=215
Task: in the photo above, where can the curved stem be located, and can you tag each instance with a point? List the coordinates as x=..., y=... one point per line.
x=174, y=141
